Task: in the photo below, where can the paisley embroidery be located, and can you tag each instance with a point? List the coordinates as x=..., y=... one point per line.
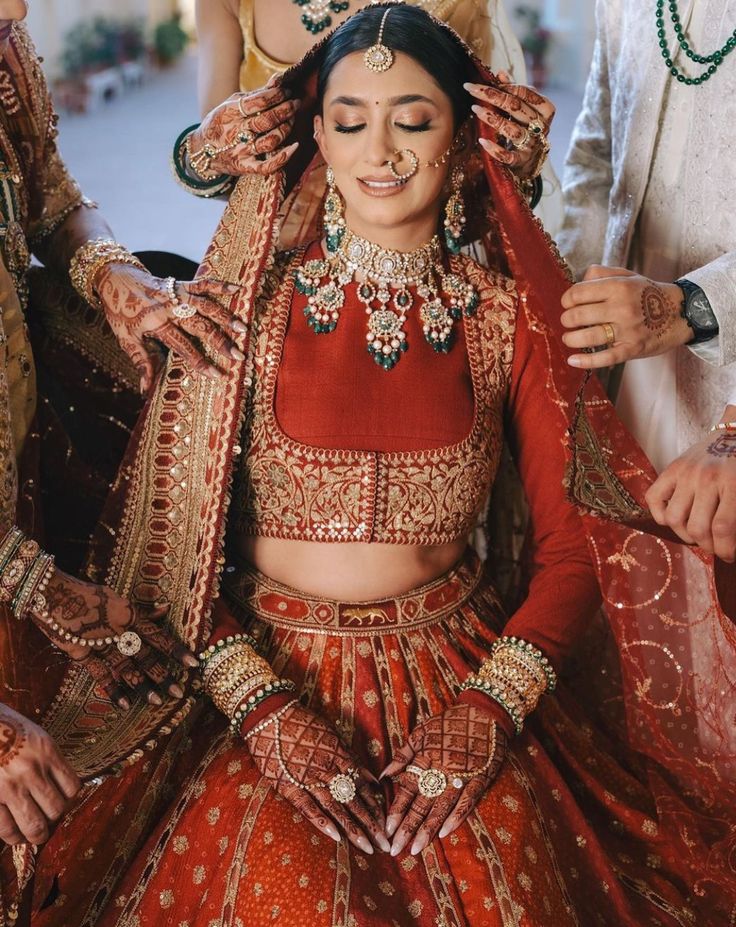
x=290, y=490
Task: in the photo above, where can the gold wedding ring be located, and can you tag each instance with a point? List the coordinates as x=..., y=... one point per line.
x=431, y=782
x=610, y=334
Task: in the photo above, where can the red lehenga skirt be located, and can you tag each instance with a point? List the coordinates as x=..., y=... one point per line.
x=195, y=837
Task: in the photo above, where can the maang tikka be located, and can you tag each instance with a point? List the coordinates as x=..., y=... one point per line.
x=379, y=57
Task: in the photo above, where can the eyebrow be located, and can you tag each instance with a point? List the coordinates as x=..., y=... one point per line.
x=394, y=101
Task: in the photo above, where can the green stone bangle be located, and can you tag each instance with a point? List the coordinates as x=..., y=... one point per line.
x=210, y=651
x=198, y=187
x=477, y=684
x=253, y=701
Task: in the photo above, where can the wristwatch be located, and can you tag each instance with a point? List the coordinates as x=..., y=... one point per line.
x=697, y=312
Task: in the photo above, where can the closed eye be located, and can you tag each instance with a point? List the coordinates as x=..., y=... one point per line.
x=348, y=130
x=422, y=127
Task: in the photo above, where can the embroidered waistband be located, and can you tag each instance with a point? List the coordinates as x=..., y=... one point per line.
x=251, y=594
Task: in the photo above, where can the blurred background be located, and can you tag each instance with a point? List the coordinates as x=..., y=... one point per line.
x=124, y=78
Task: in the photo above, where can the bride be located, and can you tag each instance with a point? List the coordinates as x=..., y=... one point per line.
x=382, y=744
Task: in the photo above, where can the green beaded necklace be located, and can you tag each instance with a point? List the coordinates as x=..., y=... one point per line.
x=316, y=15
x=714, y=60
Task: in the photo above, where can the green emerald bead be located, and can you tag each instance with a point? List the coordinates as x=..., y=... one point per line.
x=661, y=33
x=689, y=81
x=673, y=72
x=662, y=44
x=681, y=78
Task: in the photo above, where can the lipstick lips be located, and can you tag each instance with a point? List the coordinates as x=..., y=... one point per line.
x=381, y=186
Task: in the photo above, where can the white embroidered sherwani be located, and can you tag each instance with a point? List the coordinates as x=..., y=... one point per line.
x=649, y=185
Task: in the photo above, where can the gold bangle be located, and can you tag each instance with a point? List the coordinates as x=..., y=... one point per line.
x=88, y=261
x=724, y=426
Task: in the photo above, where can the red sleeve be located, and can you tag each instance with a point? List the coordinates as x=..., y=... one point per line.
x=224, y=623
x=563, y=592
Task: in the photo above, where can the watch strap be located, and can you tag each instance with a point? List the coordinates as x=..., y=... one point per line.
x=701, y=333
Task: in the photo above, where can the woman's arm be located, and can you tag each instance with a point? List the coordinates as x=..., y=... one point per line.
x=220, y=51
x=563, y=592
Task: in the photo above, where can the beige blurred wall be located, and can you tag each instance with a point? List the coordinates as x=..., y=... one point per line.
x=50, y=20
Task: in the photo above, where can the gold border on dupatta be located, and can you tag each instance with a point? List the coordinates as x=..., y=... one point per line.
x=177, y=476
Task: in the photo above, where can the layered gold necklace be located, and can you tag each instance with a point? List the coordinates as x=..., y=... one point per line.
x=386, y=284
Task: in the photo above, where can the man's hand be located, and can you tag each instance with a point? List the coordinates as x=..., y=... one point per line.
x=627, y=315
x=79, y=611
x=36, y=782
x=140, y=311
x=696, y=494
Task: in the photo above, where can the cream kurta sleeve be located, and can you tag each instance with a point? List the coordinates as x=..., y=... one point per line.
x=588, y=177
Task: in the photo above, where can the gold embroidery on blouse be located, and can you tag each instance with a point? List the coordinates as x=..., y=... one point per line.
x=295, y=491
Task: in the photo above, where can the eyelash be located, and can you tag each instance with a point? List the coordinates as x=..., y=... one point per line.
x=351, y=130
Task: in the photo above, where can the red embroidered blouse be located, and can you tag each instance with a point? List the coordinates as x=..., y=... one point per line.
x=325, y=392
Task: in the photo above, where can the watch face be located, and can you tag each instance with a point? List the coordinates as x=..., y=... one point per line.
x=700, y=313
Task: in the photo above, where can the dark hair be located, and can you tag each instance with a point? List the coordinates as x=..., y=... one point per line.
x=408, y=29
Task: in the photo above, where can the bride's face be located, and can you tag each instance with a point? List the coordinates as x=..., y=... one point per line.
x=367, y=118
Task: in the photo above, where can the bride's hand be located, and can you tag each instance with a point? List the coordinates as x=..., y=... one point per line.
x=521, y=116
x=301, y=754
x=80, y=611
x=464, y=748
x=140, y=308
x=244, y=134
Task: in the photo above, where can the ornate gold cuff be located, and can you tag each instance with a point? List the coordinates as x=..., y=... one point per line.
x=25, y=572
x=516, y=675
x=238, y=679
x=88, y=261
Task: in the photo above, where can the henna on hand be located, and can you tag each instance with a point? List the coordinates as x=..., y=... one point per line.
x=723, y=446
x=36, y=782
x=300, y=754
x=85, y=619
x=658, y=312
x=247, y=126
x=139, y=309
x=468, y=747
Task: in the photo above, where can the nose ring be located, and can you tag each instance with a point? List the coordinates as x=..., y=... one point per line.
x=412, y=170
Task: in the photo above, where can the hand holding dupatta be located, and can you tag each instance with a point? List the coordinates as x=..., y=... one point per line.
x=188, y=318
x=79, y=611
x=36, y=782
x=301, y=754
x=467, y=746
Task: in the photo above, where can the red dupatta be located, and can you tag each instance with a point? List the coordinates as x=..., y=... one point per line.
x=673, y=648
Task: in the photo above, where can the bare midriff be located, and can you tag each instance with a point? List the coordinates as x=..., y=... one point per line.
x=349, y=572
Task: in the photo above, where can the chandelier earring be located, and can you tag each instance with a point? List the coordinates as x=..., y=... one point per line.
x=455, y=213
x=333, y=218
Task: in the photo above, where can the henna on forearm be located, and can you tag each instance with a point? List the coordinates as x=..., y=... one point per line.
x=658, y=311
x=723, y=446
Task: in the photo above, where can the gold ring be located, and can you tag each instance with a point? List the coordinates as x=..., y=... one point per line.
x=432, y=782
x=129, y=643
x=342, y=787
x=610, y=334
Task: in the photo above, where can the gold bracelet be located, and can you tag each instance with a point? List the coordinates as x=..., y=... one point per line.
x=88, y=261
x=516, y=675
x=724, y=426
